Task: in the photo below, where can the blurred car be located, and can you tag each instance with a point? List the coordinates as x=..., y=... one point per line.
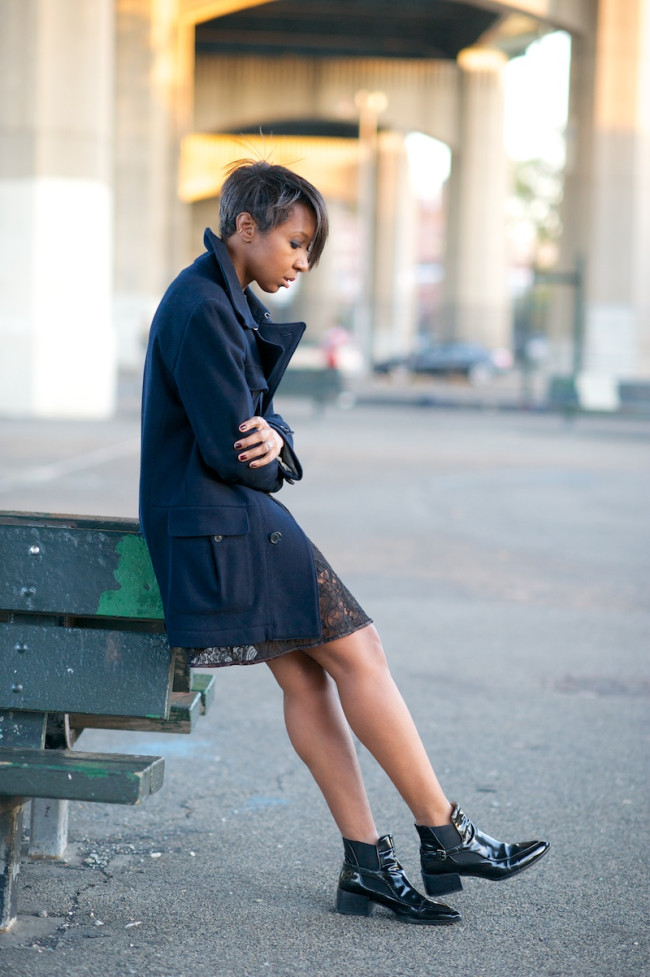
x=471, y=360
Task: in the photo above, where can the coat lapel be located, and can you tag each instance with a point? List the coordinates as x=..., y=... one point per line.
x=230, y=281
x=276, y=342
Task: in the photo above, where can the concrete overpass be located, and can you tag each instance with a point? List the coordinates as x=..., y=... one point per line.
x=101, y=104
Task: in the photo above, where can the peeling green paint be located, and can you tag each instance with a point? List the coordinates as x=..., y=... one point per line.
x=138, y=594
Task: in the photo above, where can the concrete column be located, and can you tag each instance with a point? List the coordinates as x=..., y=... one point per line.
x=575, y=243
x=394, y=305
x=617, y=342
x=58, y=350
x=150, y=228
x=476, y=305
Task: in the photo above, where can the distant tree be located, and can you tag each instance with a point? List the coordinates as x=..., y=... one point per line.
x=534, y=210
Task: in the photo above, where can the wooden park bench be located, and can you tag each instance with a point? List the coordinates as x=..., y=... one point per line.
x=82, y=644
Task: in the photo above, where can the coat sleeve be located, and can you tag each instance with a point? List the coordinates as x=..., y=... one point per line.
x=289, y=463
x=211, y=379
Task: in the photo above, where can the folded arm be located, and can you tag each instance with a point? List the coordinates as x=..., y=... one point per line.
x=211, y=378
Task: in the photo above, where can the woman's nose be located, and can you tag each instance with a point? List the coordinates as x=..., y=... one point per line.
x=301, y=263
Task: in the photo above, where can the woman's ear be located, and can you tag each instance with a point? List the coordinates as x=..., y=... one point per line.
x=246, y=227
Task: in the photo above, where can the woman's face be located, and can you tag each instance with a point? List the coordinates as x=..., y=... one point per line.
x=275, y=258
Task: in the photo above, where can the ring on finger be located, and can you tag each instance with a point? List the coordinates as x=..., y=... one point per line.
x=269, y=446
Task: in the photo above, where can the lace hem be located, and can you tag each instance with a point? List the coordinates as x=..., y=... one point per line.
x=341, y=615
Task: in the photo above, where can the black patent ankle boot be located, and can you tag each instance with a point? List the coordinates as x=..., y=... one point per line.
x=473, y=853
x=372, y=875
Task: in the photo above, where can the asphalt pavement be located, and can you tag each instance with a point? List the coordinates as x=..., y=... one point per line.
x=505, y=558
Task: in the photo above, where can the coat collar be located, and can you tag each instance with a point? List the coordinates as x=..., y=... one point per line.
x=276, y=343
x=250, y=311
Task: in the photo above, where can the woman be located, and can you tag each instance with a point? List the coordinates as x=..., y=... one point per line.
x=240, y=581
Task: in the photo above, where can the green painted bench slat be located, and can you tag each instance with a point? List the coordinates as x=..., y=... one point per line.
x=207, y=686
x=68, y=566
x=81, y=631
x=105, y=777
x=186, y=707
x=58, y=669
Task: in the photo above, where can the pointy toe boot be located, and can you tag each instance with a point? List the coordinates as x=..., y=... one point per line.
x=471, y=852
x=371, y=875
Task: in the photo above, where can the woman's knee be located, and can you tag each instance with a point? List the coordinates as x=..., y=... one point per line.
x=299, y=675
x=358, y=653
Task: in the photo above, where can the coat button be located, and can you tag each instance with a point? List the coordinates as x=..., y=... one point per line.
x=275, y=537
x=218, y=539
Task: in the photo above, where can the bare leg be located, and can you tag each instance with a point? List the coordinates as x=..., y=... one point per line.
x=321, y=737
x=379, y=717
x=369, y=701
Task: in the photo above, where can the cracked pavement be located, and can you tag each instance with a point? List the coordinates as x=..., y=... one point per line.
x=505, y=559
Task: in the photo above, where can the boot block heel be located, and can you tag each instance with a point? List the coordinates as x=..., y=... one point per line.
x=441, y=885
x=362, y=887
x=352, y=904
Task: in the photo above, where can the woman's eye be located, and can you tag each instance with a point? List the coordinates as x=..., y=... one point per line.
x=295, y=245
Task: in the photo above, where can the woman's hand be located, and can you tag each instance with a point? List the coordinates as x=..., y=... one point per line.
x=261, y=445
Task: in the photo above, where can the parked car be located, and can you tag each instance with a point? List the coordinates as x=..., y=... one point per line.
x=471, y=360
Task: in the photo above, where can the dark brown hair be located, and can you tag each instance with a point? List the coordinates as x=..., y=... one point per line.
x=268, y=192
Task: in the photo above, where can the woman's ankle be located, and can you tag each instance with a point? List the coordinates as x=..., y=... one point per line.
x=434, y=815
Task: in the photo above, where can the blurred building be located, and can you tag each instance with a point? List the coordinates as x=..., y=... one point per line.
x=117, y=118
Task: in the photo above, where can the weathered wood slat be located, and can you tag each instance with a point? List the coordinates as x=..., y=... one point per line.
x=181, y=672
x=71, y=775
x=54, y=669
x=63, y=565
x=23, y=729
x=184, y=712
x=62, y=520
x=207, y=686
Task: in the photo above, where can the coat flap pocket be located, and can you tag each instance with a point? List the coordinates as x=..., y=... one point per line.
x=206, y=520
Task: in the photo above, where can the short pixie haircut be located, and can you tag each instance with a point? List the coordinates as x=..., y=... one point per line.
x=268, y=192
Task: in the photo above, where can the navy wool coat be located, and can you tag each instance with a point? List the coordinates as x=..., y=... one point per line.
x=232, y=564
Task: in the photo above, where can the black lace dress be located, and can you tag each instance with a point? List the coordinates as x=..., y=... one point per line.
x=341, y=614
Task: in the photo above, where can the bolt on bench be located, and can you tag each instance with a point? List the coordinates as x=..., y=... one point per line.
x=82, y=644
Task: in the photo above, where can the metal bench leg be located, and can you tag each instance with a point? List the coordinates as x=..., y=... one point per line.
x=49, y=828
x=11, y=833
